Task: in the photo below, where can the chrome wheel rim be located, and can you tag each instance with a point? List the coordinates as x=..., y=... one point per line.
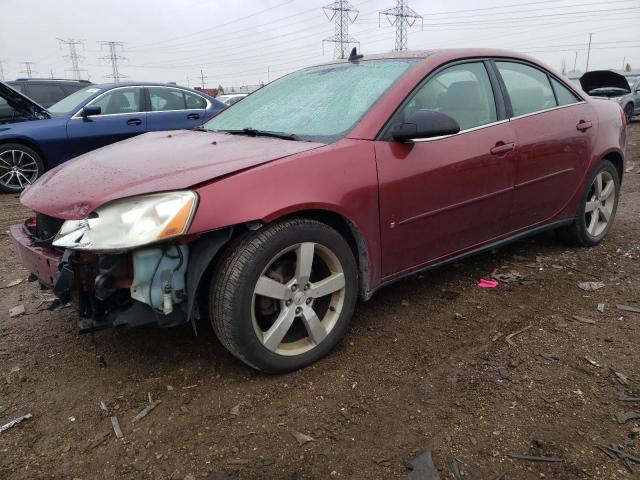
x=17, y=169
x=298, y=299
x=600, y=203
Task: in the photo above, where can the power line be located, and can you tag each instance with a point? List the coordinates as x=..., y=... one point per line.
x=27, y=69
x=113, y=58
x=73, y=56
x=402, y=16
x=343, y=13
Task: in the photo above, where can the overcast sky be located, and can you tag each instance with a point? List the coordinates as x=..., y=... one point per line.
x=249, y=41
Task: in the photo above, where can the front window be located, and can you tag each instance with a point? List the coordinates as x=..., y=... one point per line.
x=120, y=101
x=73, y=101
x=320, y=103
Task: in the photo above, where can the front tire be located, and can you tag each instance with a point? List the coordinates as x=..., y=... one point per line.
x=19, y=166
x=597, y=209
x=282, y=297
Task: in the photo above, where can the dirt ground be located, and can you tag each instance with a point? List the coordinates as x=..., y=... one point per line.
x=409, y=376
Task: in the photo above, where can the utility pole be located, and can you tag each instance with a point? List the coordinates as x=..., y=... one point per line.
x=589, y=52
x=73, y=56
x=402, y=17
x=1, y=70
x=575, y=61
x=202, y=78
x=52, y=75
x=624, y=61
x=27, y=69
x=113, y=58
x=343, y=13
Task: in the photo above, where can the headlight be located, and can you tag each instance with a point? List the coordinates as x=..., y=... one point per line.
x=130, y=222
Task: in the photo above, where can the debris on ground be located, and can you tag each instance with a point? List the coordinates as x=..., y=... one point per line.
x=103, y=407
x=621, y=377
x=16, y=311
x=484, y=283
x=550, y=400
x=383, y=461
x=13, y=283
x=600, y=307
x=301, y=438
x=628, y=308
x=15, y=422
x=624, y=417
x=235, y=411
x=509, y=337
x=146, y=410
x=508, y=277
x=422, y=468
x=593, y=362
x=580, y=319
x=625, y=458
x=621, y=397
x=590, y=286
x=458, y=316
x=116, y=427
x=454, y=465
x=3, y=409
x=548, y=356
x=533, y=458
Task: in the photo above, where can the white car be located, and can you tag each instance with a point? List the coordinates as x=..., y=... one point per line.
x=231, y=98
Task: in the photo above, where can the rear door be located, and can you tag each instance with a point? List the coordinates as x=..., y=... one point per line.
x=174, y=109
x=121, y=117
x=444, y=195
x=554, y=130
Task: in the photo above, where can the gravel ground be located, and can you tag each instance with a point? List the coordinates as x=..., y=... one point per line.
x=410, y=375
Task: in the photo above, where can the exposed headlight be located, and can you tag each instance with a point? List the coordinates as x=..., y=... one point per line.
x=130, y=222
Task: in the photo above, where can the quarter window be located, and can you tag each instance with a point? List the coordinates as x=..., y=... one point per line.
x=194, y=102
x=563, y=94
x=528, y=88
x=120, y=100
x=462, y=91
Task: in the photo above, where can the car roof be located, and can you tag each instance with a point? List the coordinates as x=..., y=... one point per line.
x=50, y=80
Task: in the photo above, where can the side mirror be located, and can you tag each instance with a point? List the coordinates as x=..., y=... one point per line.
x=425, y=124
x=90, y=110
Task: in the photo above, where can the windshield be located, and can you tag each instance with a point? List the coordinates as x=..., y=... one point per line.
x=73, y=101
x=318, y=104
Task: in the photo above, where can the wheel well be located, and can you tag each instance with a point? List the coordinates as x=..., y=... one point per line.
x=617, y=161
x=27, y=143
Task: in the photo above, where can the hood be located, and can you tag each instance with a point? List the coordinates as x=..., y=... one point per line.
x=604, y=79
x=22, y=103
x=152, y=162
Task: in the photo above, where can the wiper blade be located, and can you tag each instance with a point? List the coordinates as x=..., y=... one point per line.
x=252, y=132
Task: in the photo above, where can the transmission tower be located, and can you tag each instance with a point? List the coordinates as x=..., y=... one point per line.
x=402, y=17
x=27, y=69
x=203, y=78
x=1, y=70
x=73, y=56
x=113, y=58
x=343, y=13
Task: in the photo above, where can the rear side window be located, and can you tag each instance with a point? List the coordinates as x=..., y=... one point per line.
x=462, y=91
x=166, y=99
x=45, y=94
x=194, y=101
x=564, y=95
x=528, y=88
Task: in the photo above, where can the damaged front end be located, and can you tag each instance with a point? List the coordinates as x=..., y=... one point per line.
x=117, y=267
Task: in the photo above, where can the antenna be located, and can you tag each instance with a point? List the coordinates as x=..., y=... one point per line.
x=73, y=56
x=27, y=69
x=343, y=13
x=113, y=58
x=402, y=17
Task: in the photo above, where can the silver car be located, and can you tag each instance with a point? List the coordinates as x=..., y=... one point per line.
x=624, y=90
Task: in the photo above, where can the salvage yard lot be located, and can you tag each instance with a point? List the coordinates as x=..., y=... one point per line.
x=410, y=375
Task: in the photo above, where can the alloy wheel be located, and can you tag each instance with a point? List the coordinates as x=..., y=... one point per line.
x=17, y=169
x=600, y=204
x=298, y=299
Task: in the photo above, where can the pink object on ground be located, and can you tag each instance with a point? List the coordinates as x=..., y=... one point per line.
x=483, y=283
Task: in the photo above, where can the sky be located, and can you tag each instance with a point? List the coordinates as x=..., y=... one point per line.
x=250, y=41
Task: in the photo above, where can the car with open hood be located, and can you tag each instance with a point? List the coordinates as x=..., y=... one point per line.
x=34, y=139
x=616, y=87
x=274, y=217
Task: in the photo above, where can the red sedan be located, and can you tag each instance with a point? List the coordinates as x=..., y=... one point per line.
x=325, y=185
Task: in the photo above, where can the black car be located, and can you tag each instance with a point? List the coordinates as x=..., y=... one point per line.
x=47, y=91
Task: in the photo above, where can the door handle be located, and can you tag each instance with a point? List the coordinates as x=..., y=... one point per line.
x=134, y=121
x=502, y=148
x=584, y=125
x=193, y=116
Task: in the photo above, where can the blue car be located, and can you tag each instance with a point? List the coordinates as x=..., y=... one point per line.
x=34, y=139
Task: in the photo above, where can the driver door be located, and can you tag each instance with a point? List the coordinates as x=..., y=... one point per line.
x=444, y=195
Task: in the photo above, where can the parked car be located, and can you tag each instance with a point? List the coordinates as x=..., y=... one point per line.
x=231, y=98
x=323, y=186
x=612, y=85
x=87, y=119
x=47, y=91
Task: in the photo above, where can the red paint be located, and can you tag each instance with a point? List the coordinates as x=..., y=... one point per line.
x=413, y=204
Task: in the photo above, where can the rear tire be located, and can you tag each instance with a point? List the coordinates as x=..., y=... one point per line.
x=628, y=112
x=281, y=298
x=597, y=209
x=19, y=166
